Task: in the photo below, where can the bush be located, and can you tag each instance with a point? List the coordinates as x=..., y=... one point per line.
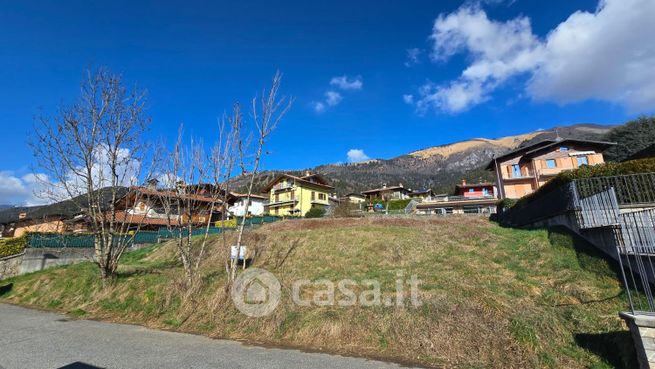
x=506, y=203
x=12, y=246
x=393, y=204
x=345, y=209
x=315, y=213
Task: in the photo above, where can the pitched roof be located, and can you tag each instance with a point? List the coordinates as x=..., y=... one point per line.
x=484, y=184
x=243, y=195
x=389, y=188
x=322, y=182
x=545, y=144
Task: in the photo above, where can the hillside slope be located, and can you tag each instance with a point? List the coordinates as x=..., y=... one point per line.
x=492, y=297
x=439, y=167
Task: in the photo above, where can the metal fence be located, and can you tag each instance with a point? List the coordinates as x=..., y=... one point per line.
x=85, y=240
x=630, y=189
x=617, y=213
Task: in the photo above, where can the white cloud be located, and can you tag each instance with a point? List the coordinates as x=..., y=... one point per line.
x=319, y=107
x=38, y=189
x=606, y=55
x=333, y=98
x=413, y=56
x=408, y=99
x=345, y=83
x=356, y=155
x=22, y=190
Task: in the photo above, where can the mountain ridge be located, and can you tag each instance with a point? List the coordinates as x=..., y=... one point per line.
x=438, y=167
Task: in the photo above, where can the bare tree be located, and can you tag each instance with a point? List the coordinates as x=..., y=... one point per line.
x=267, y=111
x=194, y=197
x=91, y=153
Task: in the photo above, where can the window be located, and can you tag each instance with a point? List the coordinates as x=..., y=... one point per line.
x=485, y=191
x=321, y=196
x=471, y=190
x=516, y=171
x=550, y=163
x=563, y=148
x=582, y=160
x=313, y=195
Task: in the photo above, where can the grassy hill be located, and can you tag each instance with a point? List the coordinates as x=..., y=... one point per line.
x=492, y=297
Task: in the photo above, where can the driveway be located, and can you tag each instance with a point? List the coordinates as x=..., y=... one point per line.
x=35, y=339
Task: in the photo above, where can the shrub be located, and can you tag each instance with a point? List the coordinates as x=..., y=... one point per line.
x=315, y=213
x=393, y=204
x=506, y=203
x=12, y=246
x=345, y=209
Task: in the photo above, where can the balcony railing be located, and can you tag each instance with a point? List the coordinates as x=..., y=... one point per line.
x=551, y=171
x=523, y=174
x=280, y=201
x=459, y=198
x=282, y=186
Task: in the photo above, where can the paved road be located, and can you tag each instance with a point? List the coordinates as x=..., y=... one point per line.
x=35, y=339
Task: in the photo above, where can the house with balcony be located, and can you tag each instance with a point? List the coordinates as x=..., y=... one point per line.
x=387, y=193
x=522, y=171
x=290, y=195
x=474, y=198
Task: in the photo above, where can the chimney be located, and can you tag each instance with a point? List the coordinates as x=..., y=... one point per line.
x=384, y=185
x=307, y=173
x=400, y=184
x=463, y=182
x=152, y=184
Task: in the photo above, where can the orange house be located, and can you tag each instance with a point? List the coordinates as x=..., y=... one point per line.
x=522, y=171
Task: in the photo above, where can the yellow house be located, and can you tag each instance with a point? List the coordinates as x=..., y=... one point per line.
x=289, y=195
x=522, y=171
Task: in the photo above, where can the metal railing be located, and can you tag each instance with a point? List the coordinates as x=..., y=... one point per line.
x=616, y=213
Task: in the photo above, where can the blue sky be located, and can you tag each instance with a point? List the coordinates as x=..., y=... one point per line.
x=197, y=58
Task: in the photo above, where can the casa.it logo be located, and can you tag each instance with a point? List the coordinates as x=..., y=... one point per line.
x=256, y=292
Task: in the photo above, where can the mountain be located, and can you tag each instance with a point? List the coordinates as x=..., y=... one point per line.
x=438, y=167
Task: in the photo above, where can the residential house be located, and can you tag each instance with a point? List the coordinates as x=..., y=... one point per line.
x=387, y=193
x=238, y=204
x=476, y=190
x=421, y=195
x=522, y=171
x=59, y=217
x=476, y=198
x=354, y=198
x=290, y=195
x=153, y=208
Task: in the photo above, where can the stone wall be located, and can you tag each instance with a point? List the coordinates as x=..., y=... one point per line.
x=642, y=328
x=10, y=265
x=36, y=259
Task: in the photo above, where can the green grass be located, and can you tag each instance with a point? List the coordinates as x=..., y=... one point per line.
x=514, y=298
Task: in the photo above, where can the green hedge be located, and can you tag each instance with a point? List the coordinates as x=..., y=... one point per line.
x=600, y=170
x=12, y=246
x=315, y=213
x=393, y=204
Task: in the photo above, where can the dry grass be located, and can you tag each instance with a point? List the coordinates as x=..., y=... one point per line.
x=493, y=297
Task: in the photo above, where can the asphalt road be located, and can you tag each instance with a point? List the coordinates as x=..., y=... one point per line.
x=35, y=339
